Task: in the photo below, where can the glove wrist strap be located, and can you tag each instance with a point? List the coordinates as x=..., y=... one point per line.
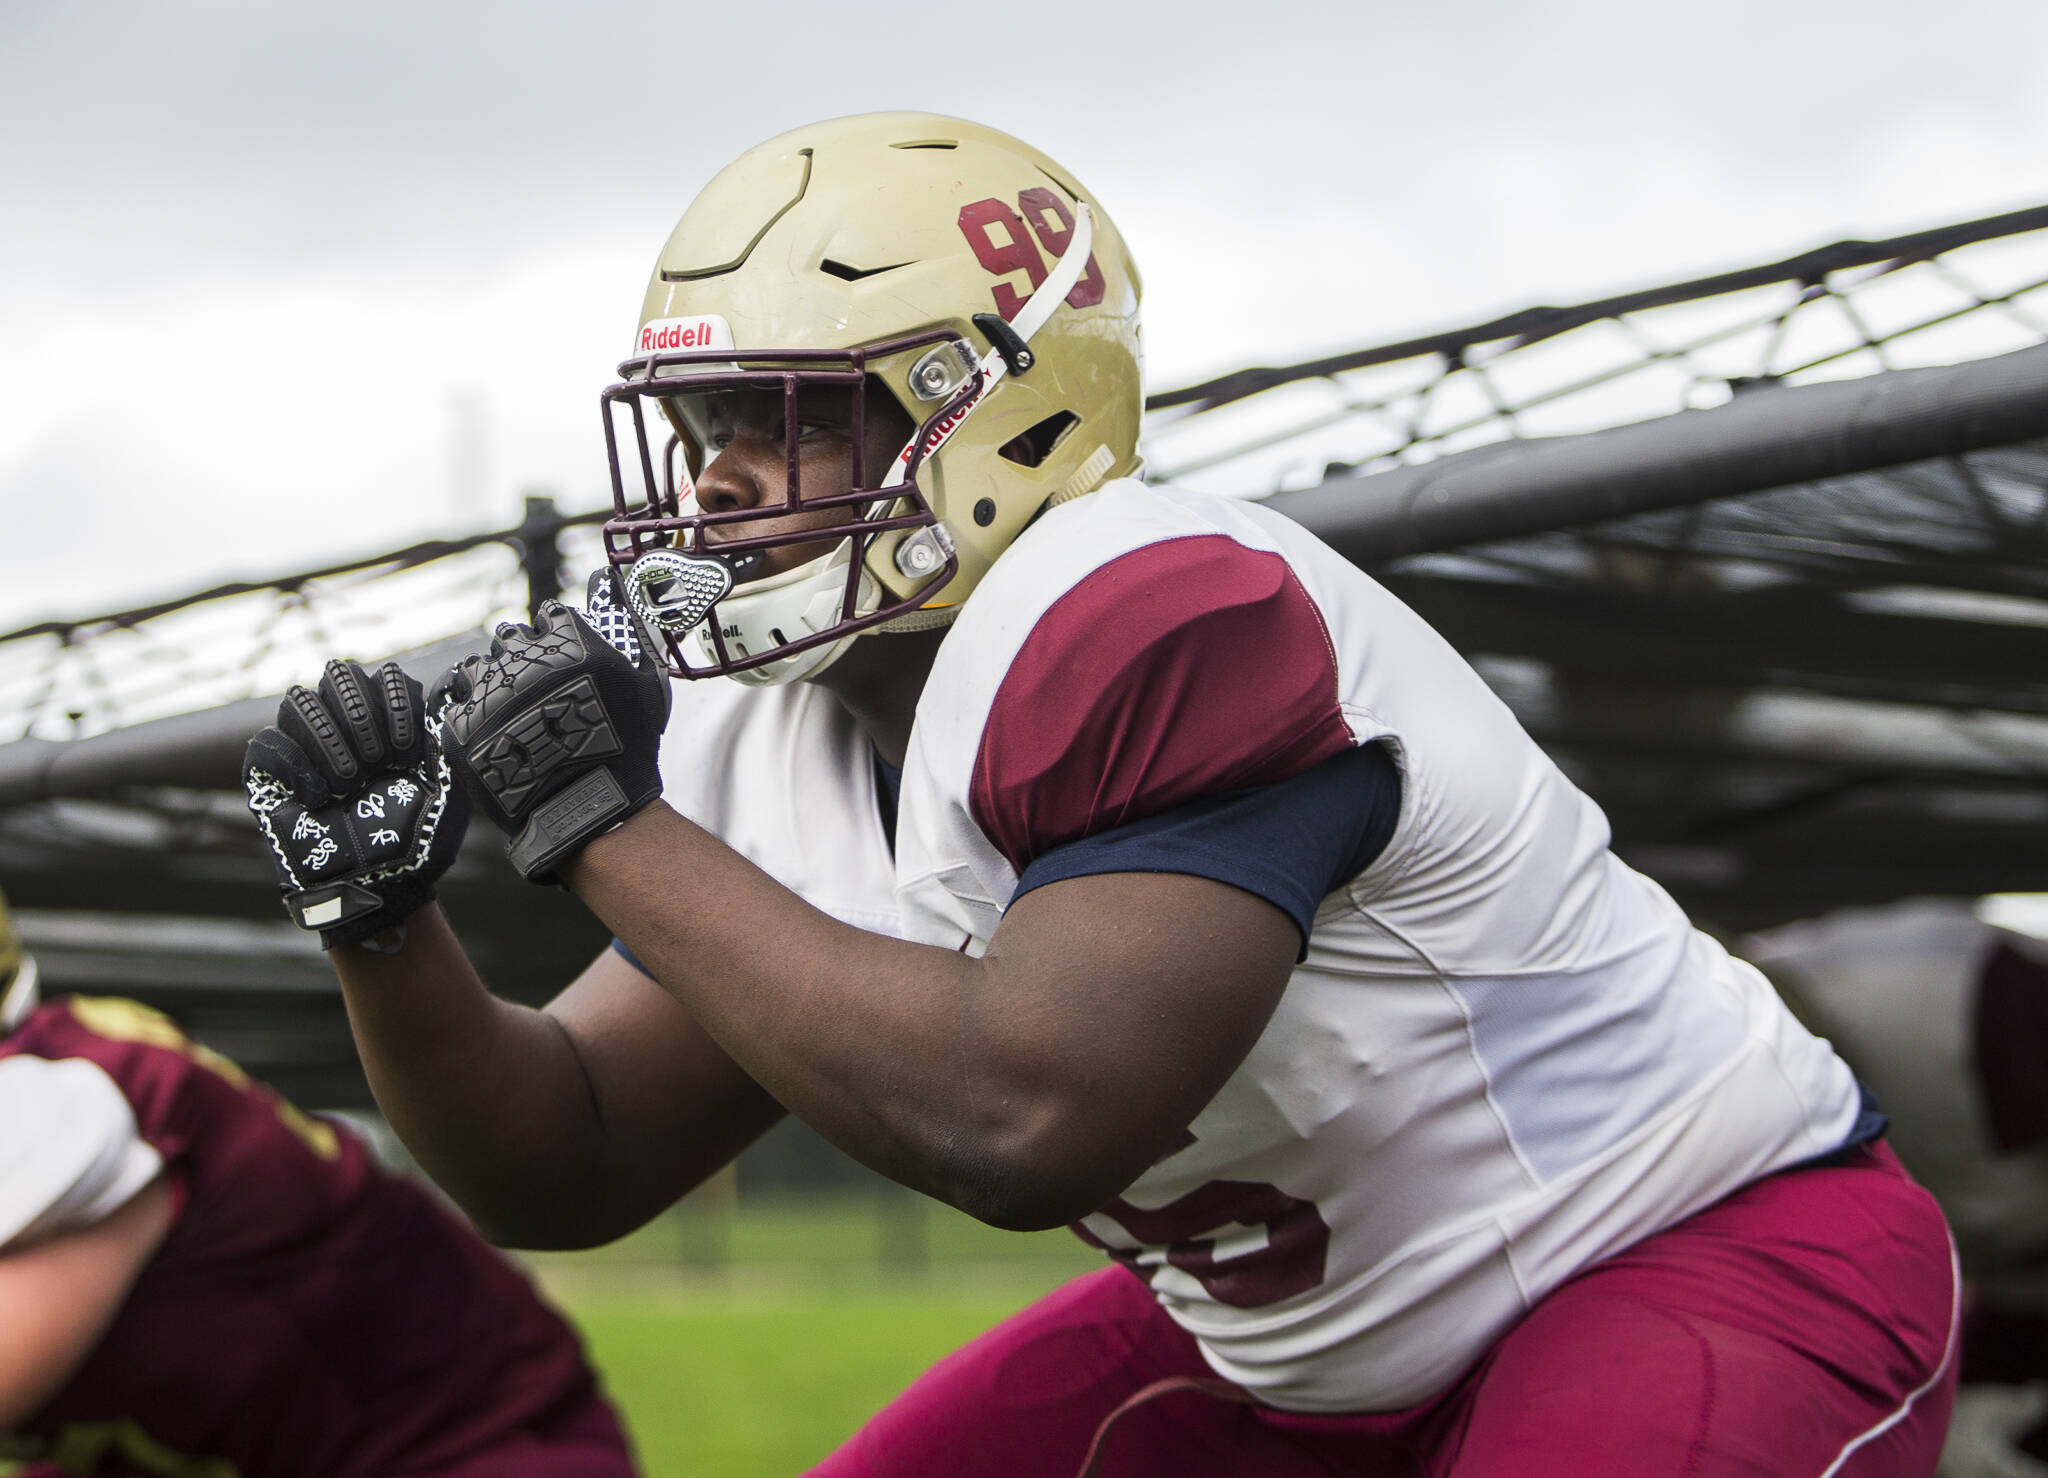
x=348, y=913
x=333, y=906
x=564, y=822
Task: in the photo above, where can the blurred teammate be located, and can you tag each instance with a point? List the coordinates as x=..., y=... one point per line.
x=1080, y=851
x=197, y=1279
x=1945, y=1015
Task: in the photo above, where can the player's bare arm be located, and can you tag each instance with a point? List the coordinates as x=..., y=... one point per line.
x=1026, y=1087
x=58, y=1296
x=562, y=1127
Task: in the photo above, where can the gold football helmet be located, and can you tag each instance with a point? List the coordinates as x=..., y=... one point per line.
x=947, y=265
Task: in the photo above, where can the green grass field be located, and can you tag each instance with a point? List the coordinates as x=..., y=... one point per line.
x=769, y=1389
x=750, y=1340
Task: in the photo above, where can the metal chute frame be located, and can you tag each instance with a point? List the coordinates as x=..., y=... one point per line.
x=1844, y=310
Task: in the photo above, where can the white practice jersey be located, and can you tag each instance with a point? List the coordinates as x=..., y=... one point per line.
x=1504, y=1056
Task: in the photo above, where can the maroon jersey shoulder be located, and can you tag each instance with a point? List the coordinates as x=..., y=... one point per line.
x=228, y=1140
x=1181, y=669
x=308, y=1314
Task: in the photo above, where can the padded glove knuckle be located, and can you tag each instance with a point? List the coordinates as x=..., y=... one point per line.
x=402, y=704
x=348, y=693
x=306, y=718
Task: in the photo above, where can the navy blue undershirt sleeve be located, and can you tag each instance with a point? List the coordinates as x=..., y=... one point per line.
x=1872, y=1124
x=888, y=795
x=1292, y=844
x=619, y=949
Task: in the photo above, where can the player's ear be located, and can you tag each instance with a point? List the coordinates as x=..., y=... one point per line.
x=304, y=720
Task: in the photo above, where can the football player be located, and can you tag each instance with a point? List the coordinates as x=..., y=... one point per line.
x=1081, y=851
x=1943, y=1011
x=197, y=1278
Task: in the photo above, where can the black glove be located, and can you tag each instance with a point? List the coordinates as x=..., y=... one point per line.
x=556, y=731
x=352, y=792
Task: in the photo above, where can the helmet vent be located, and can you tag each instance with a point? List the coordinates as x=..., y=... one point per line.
x=927, y=144
x=847, y=273
x=1034, y=446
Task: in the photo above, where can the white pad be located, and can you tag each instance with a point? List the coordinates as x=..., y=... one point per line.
x=70, y=1152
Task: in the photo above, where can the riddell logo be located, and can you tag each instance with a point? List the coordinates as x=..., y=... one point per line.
x=945, y=427
x=664, y=334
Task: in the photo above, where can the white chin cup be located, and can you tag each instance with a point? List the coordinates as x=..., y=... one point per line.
x=774, y=611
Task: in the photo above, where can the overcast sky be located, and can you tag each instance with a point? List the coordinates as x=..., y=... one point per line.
x=281, y=283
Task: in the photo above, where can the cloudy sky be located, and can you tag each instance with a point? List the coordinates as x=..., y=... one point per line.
x=281, y=284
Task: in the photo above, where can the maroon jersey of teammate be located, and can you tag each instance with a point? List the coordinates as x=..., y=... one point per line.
x=307, y=1314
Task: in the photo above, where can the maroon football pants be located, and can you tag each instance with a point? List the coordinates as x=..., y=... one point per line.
x=1803, y=1326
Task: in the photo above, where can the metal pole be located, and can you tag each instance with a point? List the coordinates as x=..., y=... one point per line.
x=540, y=555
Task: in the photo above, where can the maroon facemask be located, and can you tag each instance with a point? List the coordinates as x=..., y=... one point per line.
x=680, y=565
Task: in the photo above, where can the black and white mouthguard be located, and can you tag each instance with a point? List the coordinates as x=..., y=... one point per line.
x=672, y=590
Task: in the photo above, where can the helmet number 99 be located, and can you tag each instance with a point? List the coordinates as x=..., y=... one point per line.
x=1051, y=222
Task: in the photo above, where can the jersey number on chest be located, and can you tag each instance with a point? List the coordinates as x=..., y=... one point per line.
x=1196, y=1233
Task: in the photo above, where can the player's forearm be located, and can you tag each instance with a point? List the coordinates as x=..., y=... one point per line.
x=487, y=1095
x=58, y=1298
x=910, y=1058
